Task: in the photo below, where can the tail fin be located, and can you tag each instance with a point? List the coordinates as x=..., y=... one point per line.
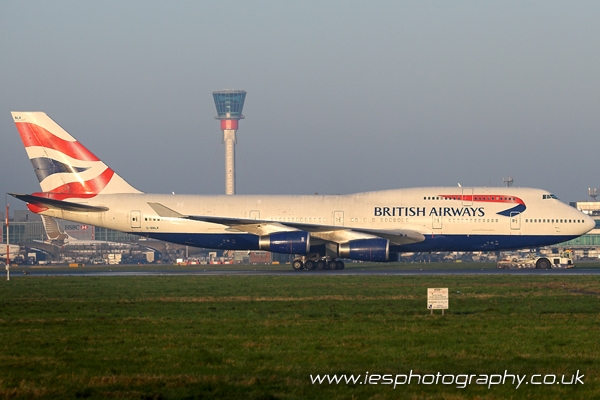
x=64, y=167
x=54, y=232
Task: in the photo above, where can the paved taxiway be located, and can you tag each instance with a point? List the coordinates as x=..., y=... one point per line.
x=285, y=271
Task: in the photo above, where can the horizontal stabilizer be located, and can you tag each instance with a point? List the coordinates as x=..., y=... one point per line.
x=57, y=204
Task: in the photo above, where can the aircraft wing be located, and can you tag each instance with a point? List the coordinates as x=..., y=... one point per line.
x=328, y=233
x=397, y=237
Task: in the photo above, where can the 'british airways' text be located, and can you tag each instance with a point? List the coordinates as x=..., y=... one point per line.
x=435, y=212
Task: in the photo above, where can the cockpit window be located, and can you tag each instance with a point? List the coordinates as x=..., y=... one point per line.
x=549, y=196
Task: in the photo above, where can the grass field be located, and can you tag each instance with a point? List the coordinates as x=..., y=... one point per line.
x=351, y=266
x=261, y=337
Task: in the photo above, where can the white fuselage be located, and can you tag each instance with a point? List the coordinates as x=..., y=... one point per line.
x=451, y=218
x=13, y=250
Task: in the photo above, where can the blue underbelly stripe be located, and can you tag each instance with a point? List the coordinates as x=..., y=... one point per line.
x=232, y=241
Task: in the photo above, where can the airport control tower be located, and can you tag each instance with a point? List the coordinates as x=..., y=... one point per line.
x=229, y=105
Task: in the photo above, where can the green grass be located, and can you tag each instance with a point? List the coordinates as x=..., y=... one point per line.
x=402, y=266
x=262, y=337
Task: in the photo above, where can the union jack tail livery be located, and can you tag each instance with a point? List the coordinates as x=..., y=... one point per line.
x=64, y=167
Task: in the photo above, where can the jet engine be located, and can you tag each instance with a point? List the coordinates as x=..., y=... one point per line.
x=376, y=249
x=293, y=242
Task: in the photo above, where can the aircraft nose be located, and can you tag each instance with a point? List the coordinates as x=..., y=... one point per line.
x=590, y=223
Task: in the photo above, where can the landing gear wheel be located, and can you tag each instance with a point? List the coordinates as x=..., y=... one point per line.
x=543, y=263
x=326, y=265
x=297, y=265
x=310, y=265
x=320, y=264
x=332, y=265
x=339, y=265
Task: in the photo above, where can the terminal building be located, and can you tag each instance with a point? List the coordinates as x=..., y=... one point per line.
x=590, y=241
x=26, y=227
x=88, y=244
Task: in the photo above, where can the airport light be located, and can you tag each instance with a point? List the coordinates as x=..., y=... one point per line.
x=229, y=105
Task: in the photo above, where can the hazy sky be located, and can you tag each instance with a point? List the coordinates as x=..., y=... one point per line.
x=343, y=96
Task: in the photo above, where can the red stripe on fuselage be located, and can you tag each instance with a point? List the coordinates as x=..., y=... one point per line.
x=490, y=198
x=35, y=135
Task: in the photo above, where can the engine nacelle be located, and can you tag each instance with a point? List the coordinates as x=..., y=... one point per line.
x=294, y=242
x=366, y=250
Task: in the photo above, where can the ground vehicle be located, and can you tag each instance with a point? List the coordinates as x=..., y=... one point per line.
x=563, y=260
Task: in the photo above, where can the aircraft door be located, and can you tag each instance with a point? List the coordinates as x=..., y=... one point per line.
x=254, y=214
x=338, y=218
x=135, y=218
x=467, y=197
x=436, y=222
x=515, y=221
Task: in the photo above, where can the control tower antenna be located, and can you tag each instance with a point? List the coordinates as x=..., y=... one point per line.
x=229, y=105
x=508, y=181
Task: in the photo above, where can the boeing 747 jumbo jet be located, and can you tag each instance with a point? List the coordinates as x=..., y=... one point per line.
x=371, y=226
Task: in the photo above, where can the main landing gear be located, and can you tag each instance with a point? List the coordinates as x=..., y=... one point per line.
x=325, y=263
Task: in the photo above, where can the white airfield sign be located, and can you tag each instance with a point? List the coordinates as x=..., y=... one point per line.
x=437, y=298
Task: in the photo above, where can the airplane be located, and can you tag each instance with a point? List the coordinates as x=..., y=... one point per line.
x=57, y=236
x=319, y=229
x=13, y=249
x=82, y=248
